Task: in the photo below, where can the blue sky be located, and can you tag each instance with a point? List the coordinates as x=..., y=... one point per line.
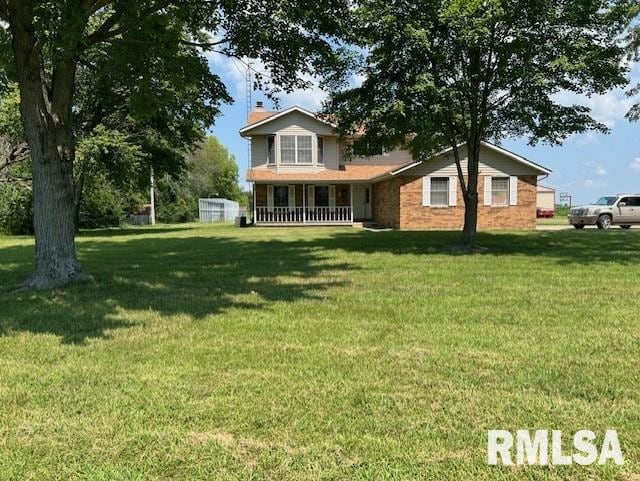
x=587, y=166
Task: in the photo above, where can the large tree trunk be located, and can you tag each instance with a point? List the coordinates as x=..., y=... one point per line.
x=46, y=117
x=53, y=216
x=469, y=238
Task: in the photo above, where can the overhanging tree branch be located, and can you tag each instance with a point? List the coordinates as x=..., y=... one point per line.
x=4, y=11
x=11, y=154
x=107, y=31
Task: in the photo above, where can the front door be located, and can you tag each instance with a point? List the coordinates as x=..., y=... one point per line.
x=362, y=202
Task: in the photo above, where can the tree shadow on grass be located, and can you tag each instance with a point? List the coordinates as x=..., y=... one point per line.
x=562, y=247
x=131, y=231
x=209, y=274
x=195, y=276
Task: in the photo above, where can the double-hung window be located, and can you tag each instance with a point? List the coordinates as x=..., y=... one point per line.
x=440, y=191
x=500, y=191
x=296, y=149
x=303, y=149
x=288, y=149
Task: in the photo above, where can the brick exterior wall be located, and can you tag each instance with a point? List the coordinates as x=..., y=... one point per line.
x=385, y=202
x=397, y=203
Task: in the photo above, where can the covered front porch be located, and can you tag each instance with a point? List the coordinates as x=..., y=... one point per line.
x=311, y=203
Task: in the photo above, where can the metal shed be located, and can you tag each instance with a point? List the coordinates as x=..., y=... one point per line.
x=218, y=210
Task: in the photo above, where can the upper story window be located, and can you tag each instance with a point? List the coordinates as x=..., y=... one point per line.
x=320, y=150
x=271, y=149
x=296, y=149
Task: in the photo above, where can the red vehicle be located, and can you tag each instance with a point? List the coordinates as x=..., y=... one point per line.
x=545, y=213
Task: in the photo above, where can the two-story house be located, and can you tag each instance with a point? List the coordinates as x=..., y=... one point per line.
x=302, y=174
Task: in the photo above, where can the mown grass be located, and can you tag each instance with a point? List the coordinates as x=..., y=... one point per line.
x=215, y=353
x=557, y=220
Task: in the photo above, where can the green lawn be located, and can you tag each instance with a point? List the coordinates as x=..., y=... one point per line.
x=557, y=220
x=216, y=353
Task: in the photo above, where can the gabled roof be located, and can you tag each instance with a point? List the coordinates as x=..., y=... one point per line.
x=282, y=113
x=505, y=152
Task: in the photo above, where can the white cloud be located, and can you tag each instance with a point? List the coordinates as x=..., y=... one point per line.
x=590, y=183
x=595, y=169
x=635, y=164
x=608, y=108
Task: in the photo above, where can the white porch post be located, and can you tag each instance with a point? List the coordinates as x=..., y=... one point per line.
x=351, y=201
x=304, y=203
x=255, y=219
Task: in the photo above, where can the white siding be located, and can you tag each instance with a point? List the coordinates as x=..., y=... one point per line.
x=491, y=163
x=258, y=151
x=331, y=153
x=293, y=123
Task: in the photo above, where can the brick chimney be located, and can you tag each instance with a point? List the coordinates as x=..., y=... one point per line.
x=259, y=113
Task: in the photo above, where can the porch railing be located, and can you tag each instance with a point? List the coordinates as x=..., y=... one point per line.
x=303, y=215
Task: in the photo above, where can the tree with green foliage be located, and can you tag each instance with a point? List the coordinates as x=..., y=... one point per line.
x=44, y=44
x=16, y=206
x=212, y=171
x=446, y=73
x=209, y=171
x=633, y=50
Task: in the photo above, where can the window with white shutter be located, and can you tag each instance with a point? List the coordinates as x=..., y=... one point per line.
x=453, y=191
x=311, y=196
x=513, y=190
x=487, y=190
x=426, y=191
x=270, y=196
x=292, y=196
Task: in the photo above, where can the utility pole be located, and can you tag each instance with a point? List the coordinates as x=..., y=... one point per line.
x=152, y=212
x=248, y=92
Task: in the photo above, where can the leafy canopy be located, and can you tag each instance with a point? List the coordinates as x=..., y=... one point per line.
x=442, y=72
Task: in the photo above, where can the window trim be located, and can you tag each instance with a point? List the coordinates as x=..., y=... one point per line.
x=447, y=191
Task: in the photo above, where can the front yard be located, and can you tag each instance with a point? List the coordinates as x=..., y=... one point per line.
x=216, y=353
